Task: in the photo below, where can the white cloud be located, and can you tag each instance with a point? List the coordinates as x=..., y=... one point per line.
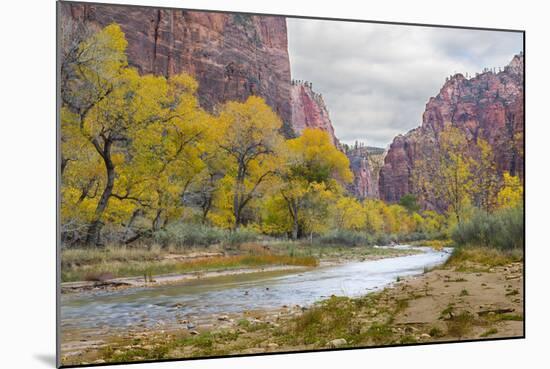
x=376, y=79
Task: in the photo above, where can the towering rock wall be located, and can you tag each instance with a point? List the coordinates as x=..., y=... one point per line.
x=309, y=110
x=232, y=56
x=489, y=105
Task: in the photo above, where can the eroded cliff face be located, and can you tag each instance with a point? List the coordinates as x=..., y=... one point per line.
x=488, y=106
x=365, y=164
x=309, y=110
x=232, y=56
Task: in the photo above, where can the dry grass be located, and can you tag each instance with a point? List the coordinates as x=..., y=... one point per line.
x=84, y=256
x=435, y=244
x=94, y=264
x=489, y=257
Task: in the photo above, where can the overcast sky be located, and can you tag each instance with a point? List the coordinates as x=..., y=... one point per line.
x=376, y=79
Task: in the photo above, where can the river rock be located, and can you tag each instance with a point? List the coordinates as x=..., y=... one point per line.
x=339, y=342
x=194, y=333
x=223, y=318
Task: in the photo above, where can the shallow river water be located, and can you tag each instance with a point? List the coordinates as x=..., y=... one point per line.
x=193, y=300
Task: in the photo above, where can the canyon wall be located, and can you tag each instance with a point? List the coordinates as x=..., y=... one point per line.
x=309, y=110
x=489, y=105
x=232, y=56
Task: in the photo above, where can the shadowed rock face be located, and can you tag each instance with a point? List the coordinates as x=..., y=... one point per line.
x=362, y=185
x=232, y=56
x=365, y=170
x=489, y=106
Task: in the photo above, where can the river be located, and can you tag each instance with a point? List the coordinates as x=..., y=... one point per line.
x=195, y=300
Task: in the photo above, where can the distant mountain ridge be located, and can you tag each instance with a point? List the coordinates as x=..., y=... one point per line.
x=488, y=106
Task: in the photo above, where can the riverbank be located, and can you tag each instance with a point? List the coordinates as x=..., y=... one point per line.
x=161, y=280
x=477, y=294
x=117, y=268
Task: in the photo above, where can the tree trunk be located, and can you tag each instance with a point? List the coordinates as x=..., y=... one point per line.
x=133, y=218
x=206, y=209
x=295, y=225
x=157, y=222
x=64, y=162
x=94, y=231
x=239, y=191
x=237, y=206
x=292, y=205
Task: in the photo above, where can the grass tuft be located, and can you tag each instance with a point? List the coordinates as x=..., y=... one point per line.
x=489, y=332
x=461, y=324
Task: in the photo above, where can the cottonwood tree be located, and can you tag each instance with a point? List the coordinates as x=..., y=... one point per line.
x=485, y=177
x=374, y=223
x=347, y=214
x=445, y=172
x=511, y=192
x=113, y=126
x=311, y=158
x=316, y=209
x=250, y=137
x=142, y=131
x=206, y=189
x=90, y=67
x=167, y=153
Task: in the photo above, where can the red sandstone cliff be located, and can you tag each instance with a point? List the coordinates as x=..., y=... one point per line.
x=489, y=105
x=231, y=55
x=309, y=110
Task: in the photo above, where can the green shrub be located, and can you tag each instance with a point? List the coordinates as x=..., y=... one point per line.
x=186, y=234
x=385, y=239
x=344, y=238
x=241, y=235
x=351, y=238
x=503, y=229
x=410, y=237
x=182, y=234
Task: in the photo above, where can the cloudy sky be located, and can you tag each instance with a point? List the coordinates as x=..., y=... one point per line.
x=376, y=79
